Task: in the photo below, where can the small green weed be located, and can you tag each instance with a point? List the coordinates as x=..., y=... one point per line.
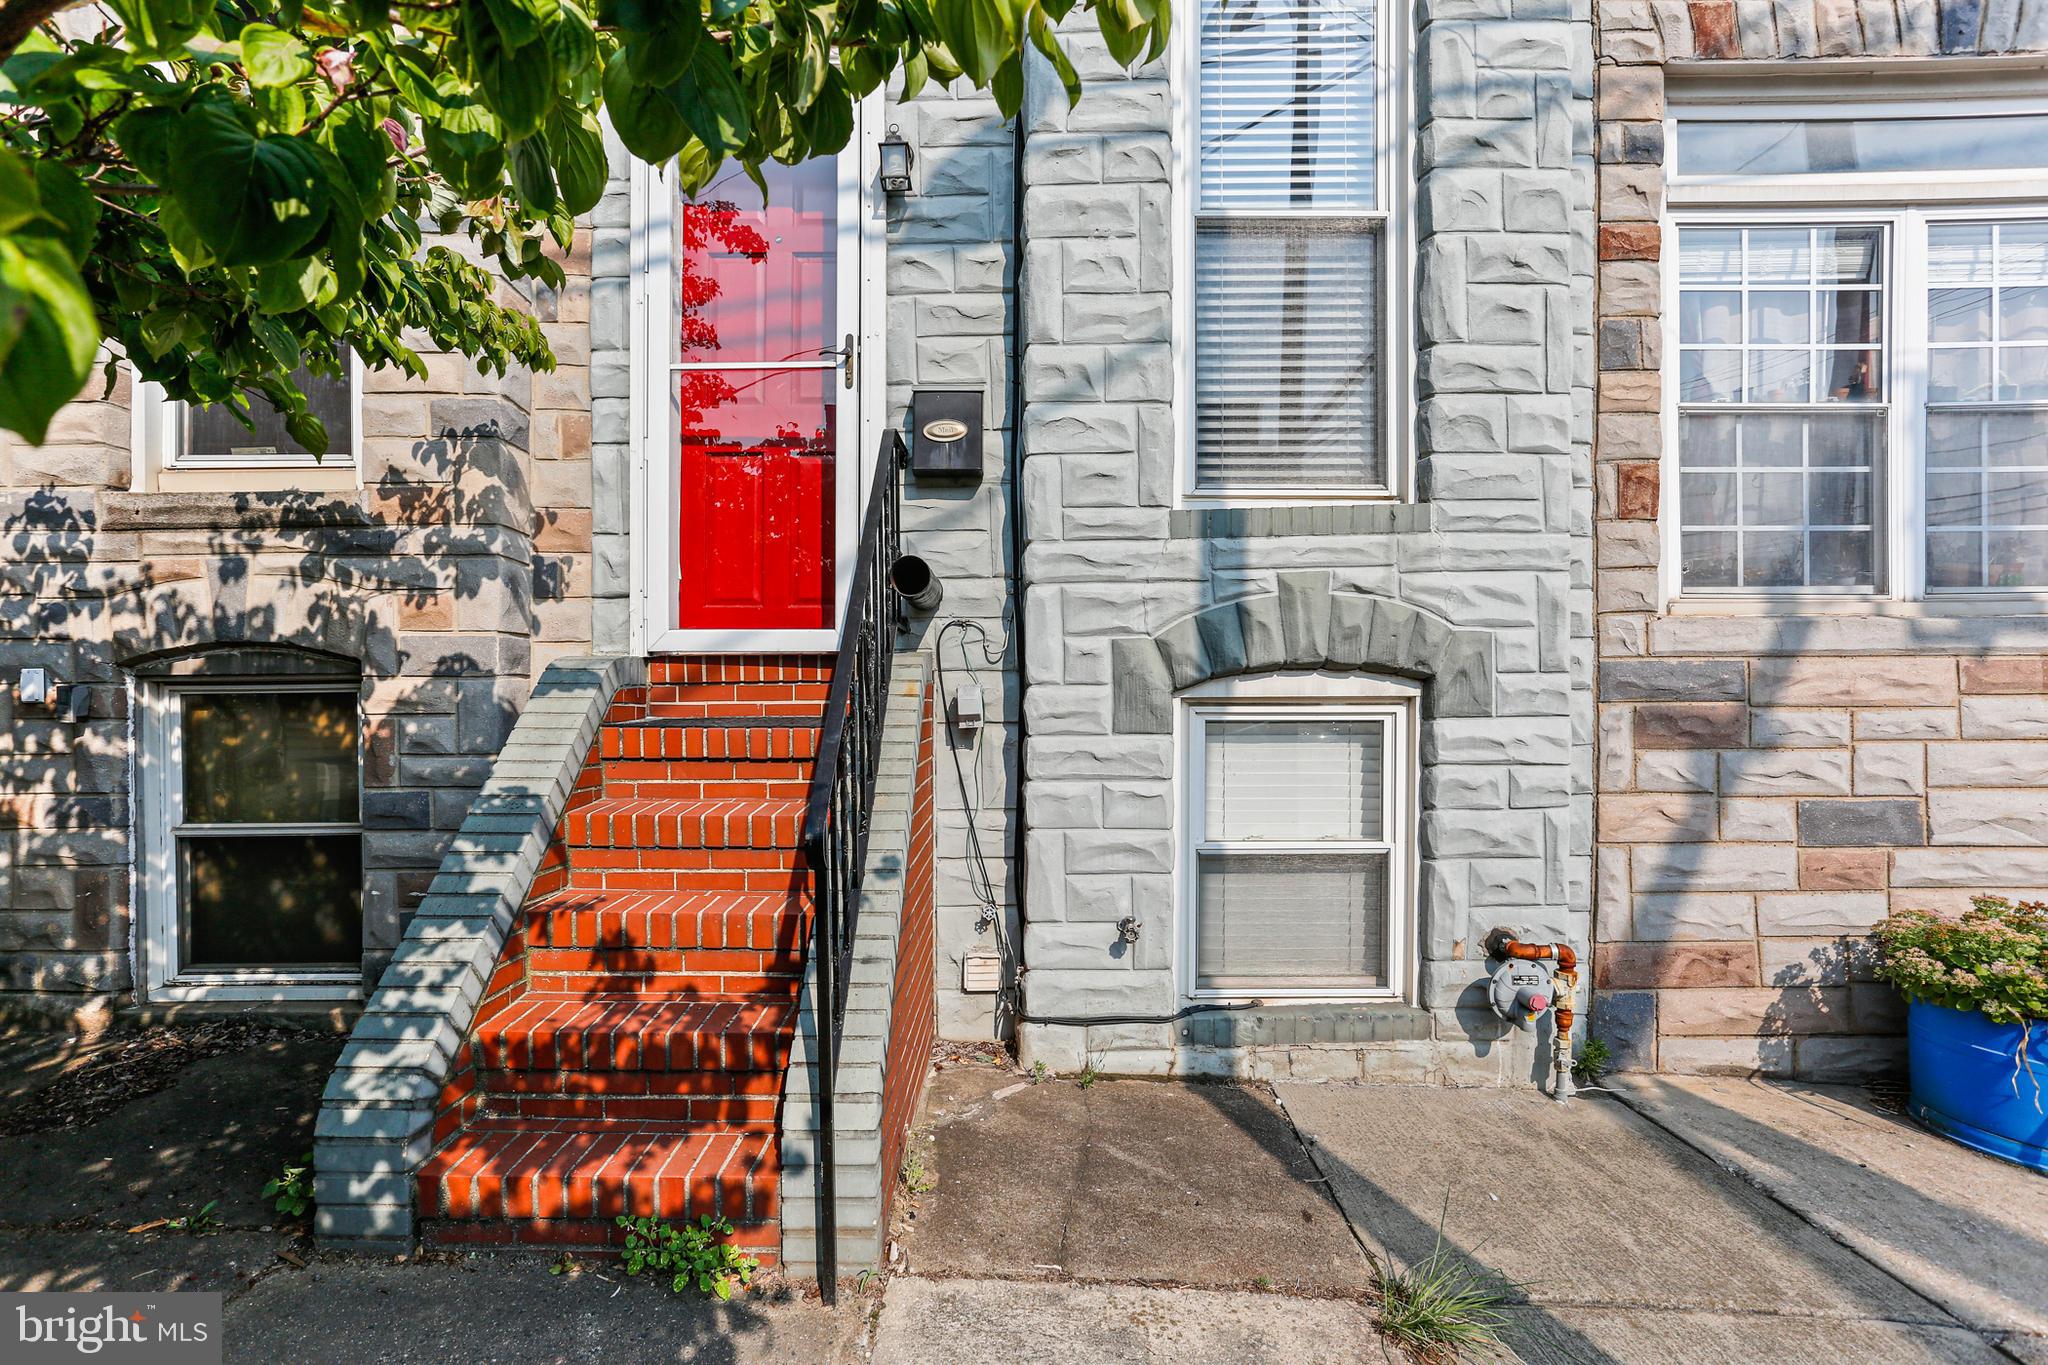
x=1592, y=1063
x=1443, y=1305
x=1039, y=1072
x=292, y=1192
x=918, y=1178
x=689, y=1255
x=1089, y=1076
x=199, y=1222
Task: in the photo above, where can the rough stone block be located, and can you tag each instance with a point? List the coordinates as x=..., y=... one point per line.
x=1672, y=680
x=1859, y=823
x=1694, y=915
x=1646, y=966
x=1810, y=914
x=1784, y=772
x=1843, y=869
x=1988, y=817
x=1691, y=725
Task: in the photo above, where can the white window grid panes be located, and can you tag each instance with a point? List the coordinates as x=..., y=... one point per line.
x=1338, y=828
x=1285, y=380
x=1782, y=406
x=1770, y=315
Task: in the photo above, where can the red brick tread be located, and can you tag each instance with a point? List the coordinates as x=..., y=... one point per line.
x=630, y=823
x=547, y=1032
x=571, y=1169
x=668, y=919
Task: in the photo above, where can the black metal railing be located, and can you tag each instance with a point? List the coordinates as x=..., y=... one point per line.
x=841, y=800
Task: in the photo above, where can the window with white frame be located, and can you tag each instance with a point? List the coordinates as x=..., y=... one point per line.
x=189, y=436
x=1296, y=850
x=1285, y=382
x=1859, y=395
x=253, y=837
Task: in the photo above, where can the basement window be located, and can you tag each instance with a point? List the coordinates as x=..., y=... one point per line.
x=252, y=855
x=1297, y=848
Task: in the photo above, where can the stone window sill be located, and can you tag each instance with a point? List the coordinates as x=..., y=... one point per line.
x=1328, y=1022
x=230, y=511
x=1987, y=604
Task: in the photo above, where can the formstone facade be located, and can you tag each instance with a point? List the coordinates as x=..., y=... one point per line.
x=1479, y=587
x=1774, y=780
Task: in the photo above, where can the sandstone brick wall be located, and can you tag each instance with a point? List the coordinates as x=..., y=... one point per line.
x=1772, y=785
x=455, y=569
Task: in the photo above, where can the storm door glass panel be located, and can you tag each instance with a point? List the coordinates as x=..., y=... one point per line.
x=213, y=435
x=1289, y=228
x=1781, y=386
x=1987, y=405
x=1292, y=864
x=759, y=388
x=269, y=844
x=759, y=281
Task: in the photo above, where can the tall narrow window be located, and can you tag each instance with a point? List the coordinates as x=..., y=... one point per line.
x=1289, y=250
x=1781, y=388
x=1296, y=849
x=1987, y=405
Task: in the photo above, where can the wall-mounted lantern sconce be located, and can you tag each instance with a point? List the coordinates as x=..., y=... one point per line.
x=896, y=161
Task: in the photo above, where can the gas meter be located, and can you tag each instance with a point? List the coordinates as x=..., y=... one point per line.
x=1522, y=991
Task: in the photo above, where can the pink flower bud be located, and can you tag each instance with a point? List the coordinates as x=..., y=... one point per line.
x=338, y=65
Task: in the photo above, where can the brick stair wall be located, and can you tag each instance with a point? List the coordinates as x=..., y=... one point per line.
x=891, y=1005
x=629, y=1050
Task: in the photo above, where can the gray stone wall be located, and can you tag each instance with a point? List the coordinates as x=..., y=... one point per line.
x=450, y=576
x=1772, y=785
x=951, y=268
x=1494, y=556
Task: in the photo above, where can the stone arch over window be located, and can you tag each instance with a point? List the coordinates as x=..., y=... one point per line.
x=1306, y=624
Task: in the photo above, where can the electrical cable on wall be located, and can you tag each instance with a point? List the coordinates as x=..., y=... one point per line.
x=973, y=798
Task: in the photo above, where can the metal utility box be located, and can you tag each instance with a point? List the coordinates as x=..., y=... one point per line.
x=945, y=433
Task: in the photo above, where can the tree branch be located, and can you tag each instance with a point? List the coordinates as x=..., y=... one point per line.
x=19, y=18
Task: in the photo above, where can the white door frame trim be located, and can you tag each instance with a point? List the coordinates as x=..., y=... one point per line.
x=652, y=563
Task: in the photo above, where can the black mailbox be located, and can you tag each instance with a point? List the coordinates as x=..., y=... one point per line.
x=945, y=433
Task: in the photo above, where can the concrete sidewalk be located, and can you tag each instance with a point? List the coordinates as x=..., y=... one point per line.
x=1969, y=1232
x=1699, y=1223
x=1059, y=1209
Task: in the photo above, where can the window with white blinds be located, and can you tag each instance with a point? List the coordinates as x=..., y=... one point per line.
x=1295, y=849
x=1288, y=259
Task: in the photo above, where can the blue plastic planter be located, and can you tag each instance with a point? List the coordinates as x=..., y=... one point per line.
x=1965, y=1086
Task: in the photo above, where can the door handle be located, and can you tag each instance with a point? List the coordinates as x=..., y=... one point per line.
x=850, y=356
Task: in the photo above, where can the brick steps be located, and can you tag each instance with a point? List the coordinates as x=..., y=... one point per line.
x=671, y=919
x=631, y=1052
x=548, y=1032
x=680, y=826
x=523, y=1182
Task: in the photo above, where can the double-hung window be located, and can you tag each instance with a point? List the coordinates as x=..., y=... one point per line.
x=1285, y=327
x=1295, y=849
x=252, y=838
x=1857, y=349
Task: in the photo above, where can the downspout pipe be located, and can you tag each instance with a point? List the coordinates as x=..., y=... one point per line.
x=1019, y=618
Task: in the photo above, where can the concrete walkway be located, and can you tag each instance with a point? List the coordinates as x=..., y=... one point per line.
x=1059, y=1209
x=1699, y=1223
x=1968, y=1232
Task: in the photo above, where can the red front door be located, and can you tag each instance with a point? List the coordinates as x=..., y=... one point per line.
x=758, y=400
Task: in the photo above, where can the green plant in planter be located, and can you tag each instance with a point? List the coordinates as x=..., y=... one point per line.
x=1994, y=959
x=689, y=1255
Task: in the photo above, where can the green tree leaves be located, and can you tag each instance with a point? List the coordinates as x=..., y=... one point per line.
x=223, y=193
x=252, y=199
